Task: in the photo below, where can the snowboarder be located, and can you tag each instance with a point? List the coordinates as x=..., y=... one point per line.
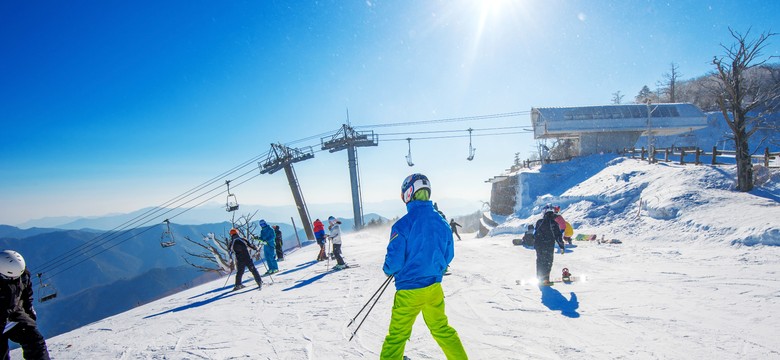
x=546, y=234
x=240, y=247
x=17, y=315
x=267, y=239
x=420, y=249
x=334, y=226
x=454, y=227
x=319, y=234
x=528, y=237
x=279, y=251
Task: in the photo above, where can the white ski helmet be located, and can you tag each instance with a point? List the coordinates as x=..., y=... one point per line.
x=412, y=184
x=11, y=264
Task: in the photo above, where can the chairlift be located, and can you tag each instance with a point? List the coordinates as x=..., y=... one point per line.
x=232, y=203
x=166, y=239
x=46, y=291
x=472, y=150
x=409, y=156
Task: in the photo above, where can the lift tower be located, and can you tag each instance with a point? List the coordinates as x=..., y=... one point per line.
x=282, y=157
x=349, y=139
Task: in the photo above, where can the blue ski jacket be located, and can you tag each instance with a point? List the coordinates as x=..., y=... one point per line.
x=268, y=235
x=420, y=247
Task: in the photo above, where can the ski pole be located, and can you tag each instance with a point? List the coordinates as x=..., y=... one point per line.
x=228, y=277
x=384, y=284
x=369, y=311
x=266, y=266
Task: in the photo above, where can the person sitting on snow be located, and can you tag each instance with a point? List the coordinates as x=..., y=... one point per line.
x=528, y=237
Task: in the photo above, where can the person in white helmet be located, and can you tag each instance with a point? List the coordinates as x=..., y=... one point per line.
x=17, y=316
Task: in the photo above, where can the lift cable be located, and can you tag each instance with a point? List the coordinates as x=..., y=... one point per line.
x=467, y=118
x=140, y=219
x=145, y=230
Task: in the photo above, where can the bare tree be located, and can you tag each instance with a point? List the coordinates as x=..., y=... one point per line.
x=669, y=85
x=739, y=94
x=617, y=97
x=216, y=255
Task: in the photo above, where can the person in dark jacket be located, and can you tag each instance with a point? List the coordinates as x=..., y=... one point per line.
x=419, y=251
x=546, y=234
x=240, y=247
x=17, y=316
x=454, y=227
x=279, y=251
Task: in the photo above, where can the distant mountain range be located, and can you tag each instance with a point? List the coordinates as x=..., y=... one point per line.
x=214, y=213
x=98, y=273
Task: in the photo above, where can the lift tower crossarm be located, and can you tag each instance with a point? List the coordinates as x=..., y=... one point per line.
x=282, y=157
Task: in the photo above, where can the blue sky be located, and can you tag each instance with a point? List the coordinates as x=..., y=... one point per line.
x=111, y=106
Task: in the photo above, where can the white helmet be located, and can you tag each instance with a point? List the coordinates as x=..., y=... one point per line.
x=11, y=264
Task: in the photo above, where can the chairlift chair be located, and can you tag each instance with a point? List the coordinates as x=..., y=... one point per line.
x=166, y=239
x=472, y=150
x=232, y=202
x=409, y=156
x=46, y=291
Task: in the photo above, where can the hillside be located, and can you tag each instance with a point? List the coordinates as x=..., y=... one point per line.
x=693, y=254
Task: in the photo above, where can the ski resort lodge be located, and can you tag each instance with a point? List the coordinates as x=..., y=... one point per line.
x=594, y=129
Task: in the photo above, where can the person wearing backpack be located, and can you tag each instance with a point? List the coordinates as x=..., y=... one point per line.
x=546, y=234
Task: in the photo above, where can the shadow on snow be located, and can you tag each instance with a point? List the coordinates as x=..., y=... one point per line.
x=555, y=301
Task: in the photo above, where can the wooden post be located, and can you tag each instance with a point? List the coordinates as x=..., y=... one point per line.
x=698, y=154
x=651, y=156
x=682, y=156
x=295, y=230
x=714, y=155
x=642, y=157
x=766, y=157
x=666, y=155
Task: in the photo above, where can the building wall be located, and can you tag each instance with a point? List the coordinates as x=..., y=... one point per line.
x=502, y=196
x=604, y=142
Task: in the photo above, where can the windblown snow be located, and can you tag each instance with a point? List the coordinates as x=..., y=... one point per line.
x=696, y=277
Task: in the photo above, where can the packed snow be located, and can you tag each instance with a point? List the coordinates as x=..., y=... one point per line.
x=695, y=277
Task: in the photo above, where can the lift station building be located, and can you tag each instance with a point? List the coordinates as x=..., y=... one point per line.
x=612, y=128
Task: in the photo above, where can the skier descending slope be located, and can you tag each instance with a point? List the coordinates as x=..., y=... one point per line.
x=546, y=234
x=420, y=248
x=239, y=246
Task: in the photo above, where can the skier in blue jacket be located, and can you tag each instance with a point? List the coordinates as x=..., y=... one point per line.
x=420, y=249
x=268, y=238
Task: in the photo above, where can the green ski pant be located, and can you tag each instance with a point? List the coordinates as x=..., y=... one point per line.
x=406, y=306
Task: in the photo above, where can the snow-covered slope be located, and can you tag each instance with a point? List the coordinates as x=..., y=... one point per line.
x=682, y=285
